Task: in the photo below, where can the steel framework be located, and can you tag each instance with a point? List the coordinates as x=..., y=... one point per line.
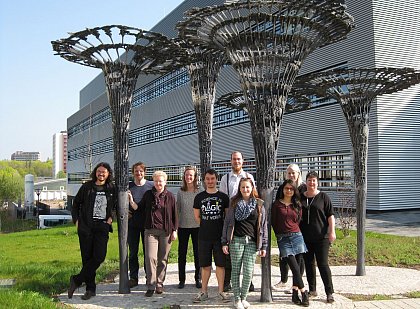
x=355, y=90
x=266, y=42
x=122, y=53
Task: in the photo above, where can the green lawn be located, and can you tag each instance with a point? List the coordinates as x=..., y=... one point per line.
x=41, y=261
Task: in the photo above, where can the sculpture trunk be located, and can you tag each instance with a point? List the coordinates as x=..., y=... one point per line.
x=265, y=135
x=120, y=95
x=359, y=133
x=203, y=76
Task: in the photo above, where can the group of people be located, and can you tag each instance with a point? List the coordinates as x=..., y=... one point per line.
x=227, y=226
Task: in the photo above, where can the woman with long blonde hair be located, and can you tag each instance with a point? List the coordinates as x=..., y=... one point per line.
x=187, y=224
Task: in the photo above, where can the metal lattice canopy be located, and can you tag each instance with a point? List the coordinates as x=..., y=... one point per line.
x=266, y=39
x=101, y=47
x=355, y=89
x=297, y=100
x=122, y=53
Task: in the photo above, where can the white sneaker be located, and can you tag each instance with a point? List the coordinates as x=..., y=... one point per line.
x=280, y=285
x=238, y=304
x=245, y=304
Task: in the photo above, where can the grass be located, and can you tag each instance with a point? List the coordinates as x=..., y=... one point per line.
x=42, y=261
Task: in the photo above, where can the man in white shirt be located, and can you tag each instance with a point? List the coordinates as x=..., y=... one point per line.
x=229, y=185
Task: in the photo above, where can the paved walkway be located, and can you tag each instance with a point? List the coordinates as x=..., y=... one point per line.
x=378, y=280
x=394, y=282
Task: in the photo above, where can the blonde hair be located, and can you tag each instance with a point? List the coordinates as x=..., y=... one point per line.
x=295, y=168
x=159, y=174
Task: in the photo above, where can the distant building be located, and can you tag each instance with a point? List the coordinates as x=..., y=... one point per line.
x=26, y=156
x=59, y=152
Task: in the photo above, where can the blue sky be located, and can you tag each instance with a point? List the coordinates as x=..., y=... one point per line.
x=38, y=90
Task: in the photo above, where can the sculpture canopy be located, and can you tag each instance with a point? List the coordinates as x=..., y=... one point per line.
x=101, y=47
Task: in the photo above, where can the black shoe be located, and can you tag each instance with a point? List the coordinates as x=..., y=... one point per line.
x=198, y=284
x=88, y=295
x=330, y=298
x=251, y=287
x=149, y=293
x=305, y=299
x=73, y=286
x=227, y=287
x=133, y=283
x=295, y=297
x=181, y=284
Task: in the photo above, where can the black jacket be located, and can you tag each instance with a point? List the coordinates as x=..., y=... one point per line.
x=82, y=208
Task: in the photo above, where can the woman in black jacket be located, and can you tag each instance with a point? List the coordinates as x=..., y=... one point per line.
x=92, y=213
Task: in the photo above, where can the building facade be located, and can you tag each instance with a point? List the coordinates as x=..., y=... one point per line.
x=59, y=153
x=163, y=132
x=26, y=156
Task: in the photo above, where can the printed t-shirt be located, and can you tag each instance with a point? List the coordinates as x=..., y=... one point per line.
x=212, y=212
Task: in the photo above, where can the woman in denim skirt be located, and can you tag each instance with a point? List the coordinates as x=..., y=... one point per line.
x=286, y=214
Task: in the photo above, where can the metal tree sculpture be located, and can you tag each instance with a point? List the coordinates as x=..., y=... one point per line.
x=122, y=53
x=355, y=89
x=296, y=100
x=204, y=68
x=266, y=42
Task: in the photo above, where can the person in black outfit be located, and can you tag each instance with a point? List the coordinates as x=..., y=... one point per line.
x=92, y=213
x=318, y=229
x=136, y=220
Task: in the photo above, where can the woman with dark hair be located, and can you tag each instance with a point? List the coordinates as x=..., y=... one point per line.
x=92, y=213
x=293, y=173
x=318, y=229
x=244, y=234
x=187, y=225
x=286, y=214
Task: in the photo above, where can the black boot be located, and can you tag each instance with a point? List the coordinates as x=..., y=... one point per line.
x=295, y=297
x=305, y=299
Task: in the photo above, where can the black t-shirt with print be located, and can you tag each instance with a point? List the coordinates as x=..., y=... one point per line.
x=99, y=207
x=212, y=212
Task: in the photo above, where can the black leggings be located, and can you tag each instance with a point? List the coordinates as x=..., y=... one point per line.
x=294, y=264
x=284, y=268
x=318, y=250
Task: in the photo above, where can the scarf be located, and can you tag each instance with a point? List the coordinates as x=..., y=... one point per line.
x=243, y=209
x=159, y=199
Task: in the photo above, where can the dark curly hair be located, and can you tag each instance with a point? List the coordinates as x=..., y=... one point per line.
x=105, y=165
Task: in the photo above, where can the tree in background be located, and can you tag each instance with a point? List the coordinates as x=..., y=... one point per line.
x=11, y=184
x=61, y=174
